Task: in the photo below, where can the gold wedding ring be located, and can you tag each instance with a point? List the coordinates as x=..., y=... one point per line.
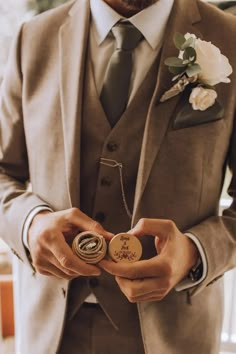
x=125, y=248
x=89, y=247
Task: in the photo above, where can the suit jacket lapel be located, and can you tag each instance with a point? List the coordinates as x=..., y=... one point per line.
x=73, y=39
x=182, y=19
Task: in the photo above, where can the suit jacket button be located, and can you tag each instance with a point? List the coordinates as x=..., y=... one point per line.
x=93, y=282
x=106, y=181
x=112, y=146
x=100, y=216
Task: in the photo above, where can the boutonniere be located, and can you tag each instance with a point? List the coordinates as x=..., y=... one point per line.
x=200, y=65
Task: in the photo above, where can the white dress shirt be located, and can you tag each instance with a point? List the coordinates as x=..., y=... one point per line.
x=151, y=22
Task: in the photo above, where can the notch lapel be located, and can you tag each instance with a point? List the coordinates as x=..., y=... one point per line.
x=73, y=38
x=184, y=15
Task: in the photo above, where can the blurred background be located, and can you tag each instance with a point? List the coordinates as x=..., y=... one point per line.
x=12, y=14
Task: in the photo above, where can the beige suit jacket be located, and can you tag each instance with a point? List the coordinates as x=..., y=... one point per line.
x=180, y=173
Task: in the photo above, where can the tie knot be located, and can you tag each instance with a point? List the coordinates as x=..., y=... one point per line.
x=127, y=36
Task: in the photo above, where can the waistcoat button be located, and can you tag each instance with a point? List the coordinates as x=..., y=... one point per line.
x=106, y=181
x=112, y=146
x=93, y=282
x=100, y=216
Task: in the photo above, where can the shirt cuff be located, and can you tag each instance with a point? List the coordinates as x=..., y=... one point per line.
x=29, y=220
x=187, y=283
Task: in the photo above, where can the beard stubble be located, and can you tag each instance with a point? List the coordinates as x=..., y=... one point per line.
x=139, y=4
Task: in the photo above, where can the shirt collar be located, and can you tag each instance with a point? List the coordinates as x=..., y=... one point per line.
x=103, y=19
x=151, y=22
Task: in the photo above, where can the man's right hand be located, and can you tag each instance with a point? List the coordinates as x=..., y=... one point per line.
x=49, y=235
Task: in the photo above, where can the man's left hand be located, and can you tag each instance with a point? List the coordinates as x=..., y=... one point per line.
x=152, y=279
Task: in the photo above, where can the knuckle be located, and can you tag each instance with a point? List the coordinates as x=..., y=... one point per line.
x=142, y=223
x=44, y=236
x=130, y=293
x=44, y=242
x=165, y=293
x=95, y=226
x=161, y=297
x=65, y=262
x=41, y=270
x=73, y=212
x=48, y=237
x=131, y=299
x=170, y=225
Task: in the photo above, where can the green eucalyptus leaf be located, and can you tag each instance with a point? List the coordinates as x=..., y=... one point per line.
x=188, y=43
x=177, y=71
x=179, y=40
x=193, y=70
x=43, y=5
x=174, y=61
x=190, y=54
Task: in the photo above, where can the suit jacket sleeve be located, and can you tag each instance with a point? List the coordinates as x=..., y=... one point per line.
x=217, y=234
x=16, y=201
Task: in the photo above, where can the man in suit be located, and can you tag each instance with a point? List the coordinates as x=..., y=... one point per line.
x=146, y=169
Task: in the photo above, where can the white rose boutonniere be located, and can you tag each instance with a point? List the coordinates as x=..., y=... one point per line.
x=199, y=64
x=202, y=98
x=215, y=67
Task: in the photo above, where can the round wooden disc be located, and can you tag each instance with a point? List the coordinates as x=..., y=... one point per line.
x=125, y=248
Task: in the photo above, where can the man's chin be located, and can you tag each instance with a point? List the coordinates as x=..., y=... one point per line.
x=139, y=4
